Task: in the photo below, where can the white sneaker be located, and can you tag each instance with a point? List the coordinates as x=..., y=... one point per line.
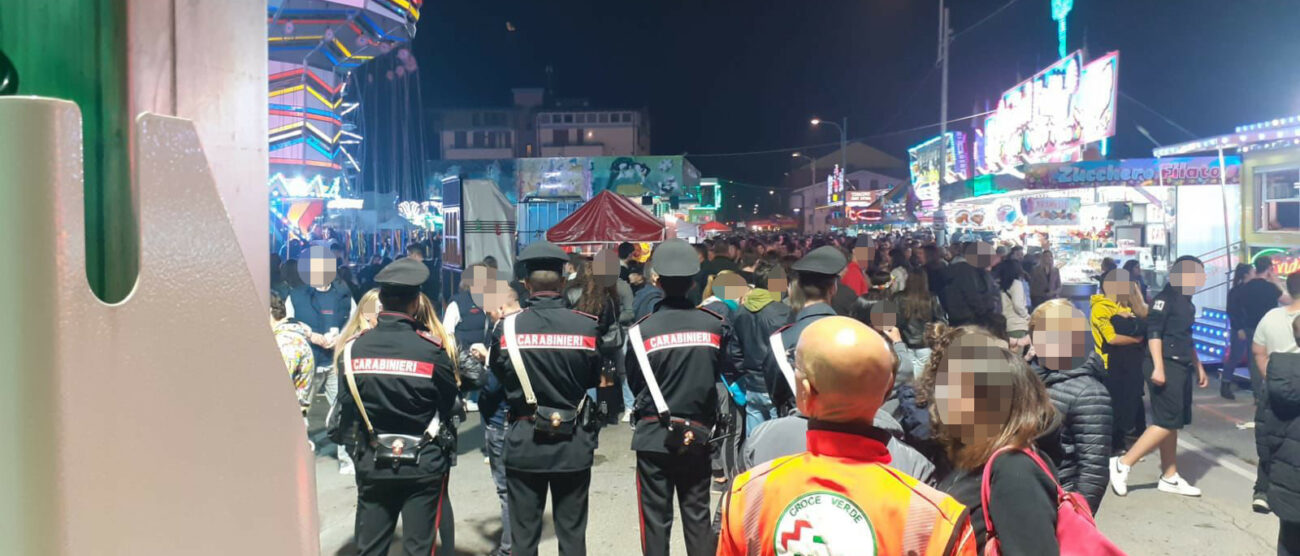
x=627, y=416
x=1119, y=477
x=1176, y=485
x=471, y=406
x=346, y=467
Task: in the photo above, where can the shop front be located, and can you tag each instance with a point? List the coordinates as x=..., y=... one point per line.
x=1089, y=211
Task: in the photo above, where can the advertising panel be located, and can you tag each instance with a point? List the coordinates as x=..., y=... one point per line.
x=924, y=165
x=1197, y=170
x=552, y=177
x=1055, y=211
x=1052, y=115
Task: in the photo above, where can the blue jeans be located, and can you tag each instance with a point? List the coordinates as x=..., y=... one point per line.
x=629, y=399
x=758, y=409
x=495, y=439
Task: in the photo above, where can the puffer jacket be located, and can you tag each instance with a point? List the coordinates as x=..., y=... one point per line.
x=1082, y=402
x=1281, y=430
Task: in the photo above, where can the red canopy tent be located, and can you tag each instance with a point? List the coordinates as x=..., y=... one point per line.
x=607, y=218
x=715, y=226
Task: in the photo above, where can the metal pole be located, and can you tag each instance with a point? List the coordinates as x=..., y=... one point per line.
x=945, y=37
x=844, y=142
x=1227, y=232
x=812, y=169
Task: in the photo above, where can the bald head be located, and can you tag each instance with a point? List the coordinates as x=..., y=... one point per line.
x=843, y=370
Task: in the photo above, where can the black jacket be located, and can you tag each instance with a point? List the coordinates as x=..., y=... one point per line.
x=405, y=379
x=1282, y=434
x=970, y=295
x=1022, y=504
x=777, y=384
x=753, y=331
x=561, y=350
x=913, y=329
x=1084, y=428
x=686, y=347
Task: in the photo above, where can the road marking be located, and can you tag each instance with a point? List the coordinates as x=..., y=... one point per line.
x=1222, y=461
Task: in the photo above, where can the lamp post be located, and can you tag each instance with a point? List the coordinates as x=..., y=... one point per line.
x=844, y=139
x=810, y=159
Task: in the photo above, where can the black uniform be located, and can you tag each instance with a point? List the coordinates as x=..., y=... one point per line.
x=686, y=348
x=823, y=261
x=559, y=348
x=404, y=377
x=1170, y=321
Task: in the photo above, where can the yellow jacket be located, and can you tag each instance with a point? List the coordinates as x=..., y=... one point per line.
x=1102, y=330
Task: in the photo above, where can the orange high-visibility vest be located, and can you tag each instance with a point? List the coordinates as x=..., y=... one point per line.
x=840, y=498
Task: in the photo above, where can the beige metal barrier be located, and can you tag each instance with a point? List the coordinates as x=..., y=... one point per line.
x=164, y=424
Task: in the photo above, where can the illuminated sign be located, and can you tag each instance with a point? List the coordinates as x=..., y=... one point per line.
x=862, y=198
x=835, y=184
x=1197, y=170
x=710, y=195
x=1285, y=261
x=301, y=188
x=427, y=215
x=924, y=164
x=1052, y=115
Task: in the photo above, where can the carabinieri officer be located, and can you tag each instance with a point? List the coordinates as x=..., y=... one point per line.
x=547, y=357
x=675, y=358
x=818, y=274
x=397, y=382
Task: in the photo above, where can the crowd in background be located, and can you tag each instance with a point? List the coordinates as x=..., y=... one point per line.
x=1068, y=385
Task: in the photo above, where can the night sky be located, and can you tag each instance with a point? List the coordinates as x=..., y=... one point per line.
x=726, y=76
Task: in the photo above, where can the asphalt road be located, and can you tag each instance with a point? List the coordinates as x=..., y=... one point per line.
x=1214, y=454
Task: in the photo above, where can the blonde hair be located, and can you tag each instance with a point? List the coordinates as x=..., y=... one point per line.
x=424, y=314
x=1056, y=307
x=357, y=322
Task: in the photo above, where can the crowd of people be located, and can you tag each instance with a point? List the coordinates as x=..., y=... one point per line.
x=822, y=382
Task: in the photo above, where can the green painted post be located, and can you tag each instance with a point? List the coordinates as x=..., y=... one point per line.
x=76, y=50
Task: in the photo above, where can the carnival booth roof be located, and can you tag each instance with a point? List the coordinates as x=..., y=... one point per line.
x=607, y=218
x=715, y=227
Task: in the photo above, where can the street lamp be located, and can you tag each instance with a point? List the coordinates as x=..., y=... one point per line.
x=813, y=167
x=844, y=139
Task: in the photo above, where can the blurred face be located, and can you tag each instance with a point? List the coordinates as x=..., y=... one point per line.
x=1188, y=277
x=605, y=267
x=1061, y=338
x=983, y=255
x=884, y=315
x=778, y=286
x=973, y=393
x=481, y=279
x=370, y=313
x=863, y=256
x=318, y=267
x=730, y=287
x=1117, y=283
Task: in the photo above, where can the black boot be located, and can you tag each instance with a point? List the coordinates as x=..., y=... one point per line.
x=1225, y=385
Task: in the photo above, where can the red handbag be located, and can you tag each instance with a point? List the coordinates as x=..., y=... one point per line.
x=1076, y=532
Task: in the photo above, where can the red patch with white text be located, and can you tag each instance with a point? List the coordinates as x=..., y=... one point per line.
x=554, y=341
x=389, y=366
x=682, y=339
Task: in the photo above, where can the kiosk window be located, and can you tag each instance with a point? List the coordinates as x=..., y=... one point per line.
x=1278, y=191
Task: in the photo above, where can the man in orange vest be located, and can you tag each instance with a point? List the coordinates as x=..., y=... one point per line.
x=841, y=497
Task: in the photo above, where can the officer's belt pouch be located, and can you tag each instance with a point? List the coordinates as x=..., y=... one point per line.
x=397, y=449
x=558, y=423
x=687, y=437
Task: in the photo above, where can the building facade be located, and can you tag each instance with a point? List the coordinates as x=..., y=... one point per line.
x=531, y=128
x=817, y=211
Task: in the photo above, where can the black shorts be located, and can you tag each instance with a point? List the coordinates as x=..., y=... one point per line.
x=1171, y=404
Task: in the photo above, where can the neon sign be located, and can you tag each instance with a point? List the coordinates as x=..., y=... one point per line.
x=1052, y=115
x=1285, y=262
x=835, y=184
x=924, y=164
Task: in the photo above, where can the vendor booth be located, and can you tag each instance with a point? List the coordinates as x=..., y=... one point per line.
x=607, y=219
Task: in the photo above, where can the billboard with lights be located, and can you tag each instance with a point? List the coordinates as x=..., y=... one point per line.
x=924, y=165
x=1052, y=115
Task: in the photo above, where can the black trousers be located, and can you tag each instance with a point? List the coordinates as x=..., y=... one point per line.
x=380, y=502
x=658, y=476
x=1288, y=538
x=526, y=493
